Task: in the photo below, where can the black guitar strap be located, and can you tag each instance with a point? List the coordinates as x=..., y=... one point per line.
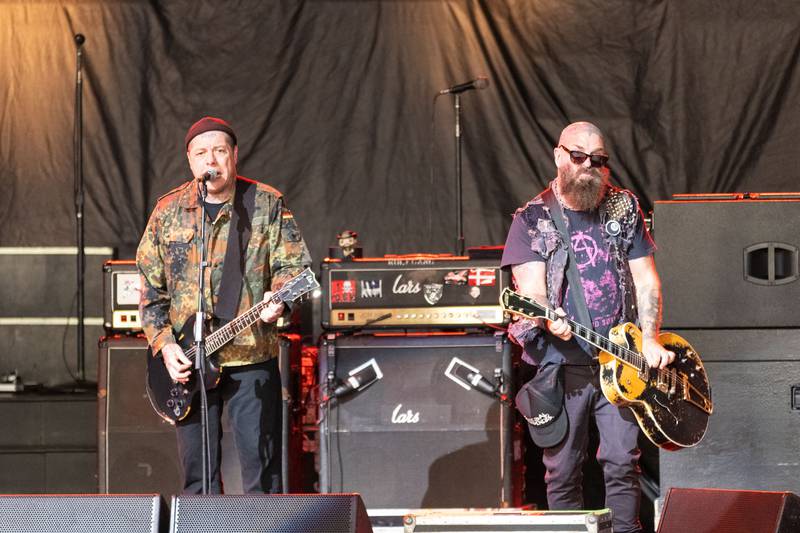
x=241, y=226
x=573, y=276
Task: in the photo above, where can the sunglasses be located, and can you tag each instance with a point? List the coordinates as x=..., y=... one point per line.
x=596, y=160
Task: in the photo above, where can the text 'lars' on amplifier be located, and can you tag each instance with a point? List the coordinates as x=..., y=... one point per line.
x=412, y=291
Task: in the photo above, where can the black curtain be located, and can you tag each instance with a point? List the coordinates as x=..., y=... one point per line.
x=333, y=104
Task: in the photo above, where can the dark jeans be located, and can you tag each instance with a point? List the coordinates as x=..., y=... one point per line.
x=252, y=396
x=618, y=453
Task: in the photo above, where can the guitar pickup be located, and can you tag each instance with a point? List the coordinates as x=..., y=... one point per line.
x=667, y=381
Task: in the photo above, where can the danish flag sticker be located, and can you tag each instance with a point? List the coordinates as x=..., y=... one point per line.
x=481, y=276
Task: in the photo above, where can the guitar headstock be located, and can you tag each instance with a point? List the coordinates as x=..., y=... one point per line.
x=516, y=304
x=298, y=286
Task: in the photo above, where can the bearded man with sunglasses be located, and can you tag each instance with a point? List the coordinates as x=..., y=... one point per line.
x=612, y=251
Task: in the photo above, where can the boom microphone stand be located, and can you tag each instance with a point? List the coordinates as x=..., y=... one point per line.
x=479, y=83
x=459, y=202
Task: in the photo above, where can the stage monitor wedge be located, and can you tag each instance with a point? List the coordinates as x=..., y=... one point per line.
x=270, y=513
x=729, y=511
x=69, y=513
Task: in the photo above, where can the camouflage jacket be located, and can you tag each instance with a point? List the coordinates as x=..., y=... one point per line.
x=168, y=262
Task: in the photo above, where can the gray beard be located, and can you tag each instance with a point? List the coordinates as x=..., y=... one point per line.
x=583, y=195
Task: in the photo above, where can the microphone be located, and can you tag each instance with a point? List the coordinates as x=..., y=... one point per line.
x=359, y=378
x=209, y=175
x=475, y=379
x=482, y=384
x=481, y=82
x=470, y=378
x=347, y=386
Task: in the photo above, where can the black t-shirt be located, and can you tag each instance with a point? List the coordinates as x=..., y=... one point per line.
x=599, y=277
x=212, y=210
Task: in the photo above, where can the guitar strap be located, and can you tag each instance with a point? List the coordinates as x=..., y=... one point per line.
x=241, y=226
x=573, y=276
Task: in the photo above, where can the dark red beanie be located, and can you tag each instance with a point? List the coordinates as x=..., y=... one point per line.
x=209, y=124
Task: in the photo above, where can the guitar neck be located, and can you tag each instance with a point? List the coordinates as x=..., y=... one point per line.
x=626, y=355
x=226, y=333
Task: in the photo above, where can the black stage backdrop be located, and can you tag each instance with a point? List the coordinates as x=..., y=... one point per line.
x=333, y=105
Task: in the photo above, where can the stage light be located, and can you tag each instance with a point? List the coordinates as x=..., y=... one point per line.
x=358, y=379
x=470, y=378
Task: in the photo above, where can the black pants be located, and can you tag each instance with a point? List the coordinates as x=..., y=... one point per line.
x=252, y=396
x=618, y=453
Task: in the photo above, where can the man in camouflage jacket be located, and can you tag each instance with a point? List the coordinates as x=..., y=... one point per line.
x=168, y=259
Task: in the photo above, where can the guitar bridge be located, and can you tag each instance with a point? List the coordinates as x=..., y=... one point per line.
x=695, y=397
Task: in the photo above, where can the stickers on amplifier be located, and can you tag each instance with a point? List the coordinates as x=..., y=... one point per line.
x=456, y=277
x=481, y=276
x=433, y=292
x=343, y=291
x=372, y=288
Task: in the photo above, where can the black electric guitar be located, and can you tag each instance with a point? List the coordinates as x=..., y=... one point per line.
x=672, y=405
x=172, y=401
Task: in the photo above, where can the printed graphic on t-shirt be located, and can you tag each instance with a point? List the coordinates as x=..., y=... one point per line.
x=599, y=278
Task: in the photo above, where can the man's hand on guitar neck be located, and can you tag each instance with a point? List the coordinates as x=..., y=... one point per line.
x=178, y=365
x=657, y=356
x=560, y=328
x=272, y=311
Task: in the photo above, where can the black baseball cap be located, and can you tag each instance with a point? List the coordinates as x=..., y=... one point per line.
x=541, y=402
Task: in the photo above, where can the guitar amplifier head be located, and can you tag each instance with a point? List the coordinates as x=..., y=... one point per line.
x=412, y=291
x=121, y=296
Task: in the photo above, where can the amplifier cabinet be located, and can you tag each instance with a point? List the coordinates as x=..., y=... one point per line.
x=414, y=291
x=415, y=438
x=137, y=449
x=121, y=286
x=48, y=445
x=752, y=436
x=728, y=264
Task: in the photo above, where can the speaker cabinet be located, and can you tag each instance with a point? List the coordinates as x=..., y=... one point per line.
x=289, y=513
x=50, y=443
x=729, y=511
x=752, y=434
x=415, y=438
x=82, y=514
x=137, y=450
x=728, y=264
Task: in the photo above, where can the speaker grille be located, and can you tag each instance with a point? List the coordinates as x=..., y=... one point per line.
x=290, y=513
x=729, y=511
x=79, y=514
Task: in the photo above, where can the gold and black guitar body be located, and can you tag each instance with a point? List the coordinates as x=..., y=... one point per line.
x=173, y=401
x=672, y=405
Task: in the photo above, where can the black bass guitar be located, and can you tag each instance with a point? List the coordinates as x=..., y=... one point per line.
x=672, y=405
x=172, y=401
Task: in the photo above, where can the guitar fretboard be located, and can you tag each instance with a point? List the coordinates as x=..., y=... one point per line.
x=598, y=341
x=527, y=307
x=291, y=291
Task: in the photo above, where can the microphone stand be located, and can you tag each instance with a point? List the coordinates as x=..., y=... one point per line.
x=79, y=201
x=459, y=207
x=200, y=342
